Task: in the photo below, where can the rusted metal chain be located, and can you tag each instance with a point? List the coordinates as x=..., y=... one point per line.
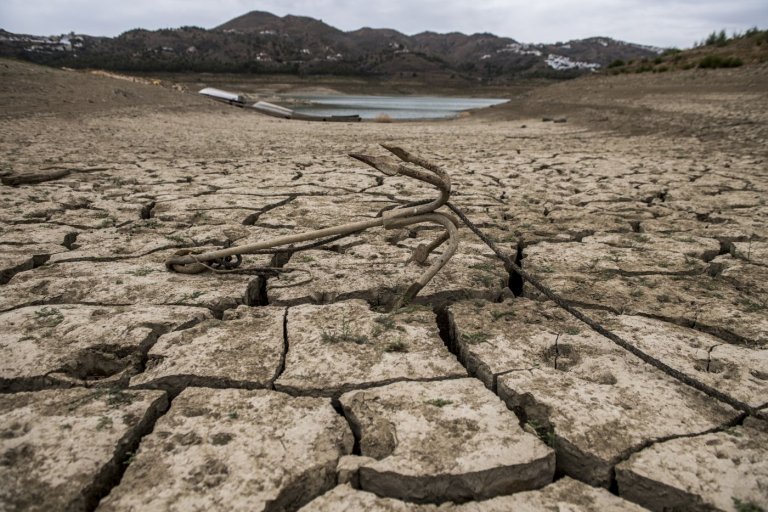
x=597, y=327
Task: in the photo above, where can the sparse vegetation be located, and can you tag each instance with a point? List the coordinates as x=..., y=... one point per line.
x=104, y=422
x=497, y=315
x=176, y=238
x=474, y=338
x=191, y=296
x=117, y=397
x=718, y=50
x=397, y=346
x=543, y=432
x=483, y=280
x=716, y=61
x=716, y=39
x=486, y=267
x=384, y=324
x=753, y=306
x=438, y=402
x=49, y=317
x=720, y=39
x=344, y=335
x=746, y=506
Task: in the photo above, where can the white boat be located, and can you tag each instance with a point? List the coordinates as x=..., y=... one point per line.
x=224, y=96
x=270, y=109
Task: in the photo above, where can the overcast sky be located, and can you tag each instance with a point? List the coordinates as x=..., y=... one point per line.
x=656, y=22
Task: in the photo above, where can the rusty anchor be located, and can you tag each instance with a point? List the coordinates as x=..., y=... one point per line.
x=229, y=259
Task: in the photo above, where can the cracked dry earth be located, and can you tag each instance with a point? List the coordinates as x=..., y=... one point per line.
x=127, y=387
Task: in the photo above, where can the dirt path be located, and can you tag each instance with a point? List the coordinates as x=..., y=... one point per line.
x=127, y=386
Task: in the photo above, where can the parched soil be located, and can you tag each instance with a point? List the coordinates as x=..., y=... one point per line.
x=641, y=201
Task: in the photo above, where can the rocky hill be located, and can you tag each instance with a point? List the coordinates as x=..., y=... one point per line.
x=262, y=42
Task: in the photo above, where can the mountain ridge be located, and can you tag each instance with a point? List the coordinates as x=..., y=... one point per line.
x=261, y=42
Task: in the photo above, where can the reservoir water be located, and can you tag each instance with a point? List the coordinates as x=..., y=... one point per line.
x=396, y=107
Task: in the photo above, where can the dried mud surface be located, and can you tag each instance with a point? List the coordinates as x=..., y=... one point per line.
x=125, y=386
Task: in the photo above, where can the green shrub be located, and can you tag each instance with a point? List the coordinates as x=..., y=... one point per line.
x=716, y=39
x=757, y=35
x=716, y=61
x=746, y=506
x=616, y=64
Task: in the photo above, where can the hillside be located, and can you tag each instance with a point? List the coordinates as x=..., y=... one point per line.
x=717, y=51
x=260, y=42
